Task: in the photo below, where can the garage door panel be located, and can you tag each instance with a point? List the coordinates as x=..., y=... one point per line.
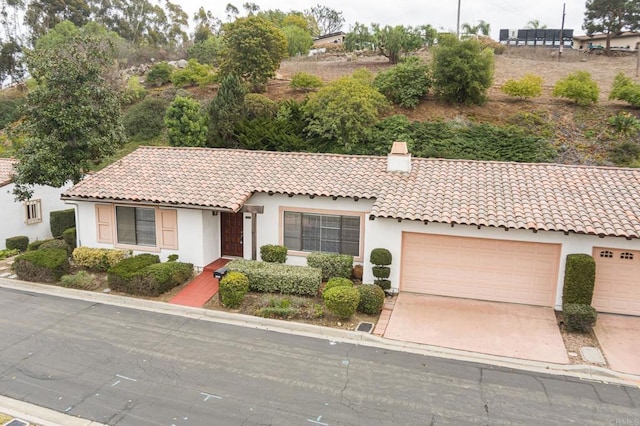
x=617, y=287
x=479, y=268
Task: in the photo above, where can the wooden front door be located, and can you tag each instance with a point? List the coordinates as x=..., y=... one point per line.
x=232, y=235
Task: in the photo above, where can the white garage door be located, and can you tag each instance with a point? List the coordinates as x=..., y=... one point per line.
x=478, y=268
x=617, y=287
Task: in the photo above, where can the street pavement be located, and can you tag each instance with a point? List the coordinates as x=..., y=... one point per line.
x=117, y=365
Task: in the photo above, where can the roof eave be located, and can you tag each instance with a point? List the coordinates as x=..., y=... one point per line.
x=65, y=197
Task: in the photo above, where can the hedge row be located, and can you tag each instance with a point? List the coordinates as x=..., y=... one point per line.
x=331, y=264
x=98, y=259
x=45, y=265
x=143, y=275
x=60, y=220
x=276, y=277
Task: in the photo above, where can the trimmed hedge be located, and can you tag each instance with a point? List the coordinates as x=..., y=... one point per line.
x=233, y=287
x=579, y=317
x=337, y=282
x=383, y=284
x=20, y=242
x=143, y=275
x=81, y=280
x=342, y=301
x=273, y=253
x=380, y=257
x=121, y=275
x=579, y=279
x=381, y=272
x=59, y=220
x=46, y=265
x=58, y=244
x=35, y=245
x=331, y=264
x=69, y=237
x=371, y=299
x=98, y=259
x=275, y=277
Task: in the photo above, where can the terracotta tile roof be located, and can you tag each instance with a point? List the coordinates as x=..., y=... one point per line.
x=6, y=170
x=550, y=197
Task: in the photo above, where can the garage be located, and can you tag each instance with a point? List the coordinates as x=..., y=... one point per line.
x=479, y=268
x=617, y=288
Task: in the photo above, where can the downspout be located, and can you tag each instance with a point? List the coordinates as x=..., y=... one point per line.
x=75, y=213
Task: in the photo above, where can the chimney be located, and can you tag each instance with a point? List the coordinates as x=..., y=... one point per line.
x=399, y=159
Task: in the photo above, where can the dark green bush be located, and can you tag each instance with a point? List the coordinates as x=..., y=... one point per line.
x=57, y=244
x=159, y=74
x=579, y=279
x=625, y=154
x=69, y=236
x=81, y=280
x=337, y=282
x=273, y=253
x=259, y=106
x=9, y=110
x=158, y=278
x=275, y=277
x=233, y=287
x=406, y=83
x=122, y=274
x=331, y=264
x=383, y=283
x=381, y=272
x=579, y=317
x=59, y=220
x=145, y=120
x=371, y=299
x=35, y=245
x=380, y=257
x=46, y=265
x=20, y=242
x=342, y=301
x=172, y=257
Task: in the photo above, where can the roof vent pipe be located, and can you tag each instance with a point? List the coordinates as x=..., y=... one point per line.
x=399, y=159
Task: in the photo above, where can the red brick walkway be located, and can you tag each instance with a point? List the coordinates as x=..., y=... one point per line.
x=387, y=308
x=202, y=288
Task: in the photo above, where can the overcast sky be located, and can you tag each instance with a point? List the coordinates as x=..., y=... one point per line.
x=441, y=14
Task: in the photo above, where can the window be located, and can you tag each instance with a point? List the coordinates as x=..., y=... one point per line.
x=626, y=255
x=33, y=211
x=606, y=253
x=136, y=226
x=322, y=232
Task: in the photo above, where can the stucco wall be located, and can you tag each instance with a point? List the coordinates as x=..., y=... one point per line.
x=12, y=213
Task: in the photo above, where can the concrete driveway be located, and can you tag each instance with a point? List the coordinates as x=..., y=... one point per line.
x=618, y=338
x=505, y=329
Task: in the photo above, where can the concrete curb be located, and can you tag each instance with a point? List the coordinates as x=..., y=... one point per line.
x=582, y=372
x=40, y=415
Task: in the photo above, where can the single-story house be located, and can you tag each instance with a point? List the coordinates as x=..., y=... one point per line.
x=475, y=229
x=331, y=38
x=625, y=41
x=30, y=218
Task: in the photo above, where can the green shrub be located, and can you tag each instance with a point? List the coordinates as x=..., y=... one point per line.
x=57, y=244
x=579, y=279
x=579, y=87
x=624, y=89
x=59, y=220
x=529, y=86
x=20, y=243
x=46, y=265
x=35, y=245
x=381, y=272
x=122, y=274
x=69, y=237
x=337, y=282
x=371, y=299
x=233, y=287
x=331, y=264
x=342, y=301
x=275, y=277
x=158, y=278
x=259, y=106
x=625, y=124
x=159, y=74
x=276, y=312
x=98, y=259
x=172, y=257
x=579, y=317
x=273, y=253
x=145, y=120
x=406, y=83
x=194, y=73
x=10, y=110
x=625, y=154
x=81, y=280
x=381, y=257
x=384, y=284
x=8, y=253
x=134, y=91
x=305, y=82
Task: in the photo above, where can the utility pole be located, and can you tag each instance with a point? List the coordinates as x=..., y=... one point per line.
x=458, y=22
x=564, y=5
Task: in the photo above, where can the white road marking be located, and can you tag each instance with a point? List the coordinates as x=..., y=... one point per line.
x=208, y=395
x=317, y=421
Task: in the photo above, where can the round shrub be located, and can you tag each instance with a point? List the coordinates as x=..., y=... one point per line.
x=273, y=253
x=69, y=237
x=145, y=120
x=380, y=256
x=383, y=284
x=342, y=301
x=233, y=287
x=35, y=245
x=371, y=299
x=20, y=243
x=46, y=265
x=381, y=272
x=337, y=282
x=159, y=74
x=579, y=317
x=257, y=106
x=57, y=244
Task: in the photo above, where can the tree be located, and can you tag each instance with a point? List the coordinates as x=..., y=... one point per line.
x=72, y=119
x=406, y=83
x=206, y=25
x=359, y=38
x=299, y=41
x=231, y=11
x=42, y=15
x=611, y=17
x=340, y=112
x=534, y=24
x=185, y=123
x=395, y=42
x=462, y=70
x=207, y=51
x=251, y=8
x=225, y=111
x=254, y=50
x=482, y=28
x=328, y=20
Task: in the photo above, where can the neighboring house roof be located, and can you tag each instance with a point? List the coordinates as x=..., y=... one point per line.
x=603, y=36
x=6, y=170
x=601, y=201
x=329, y=35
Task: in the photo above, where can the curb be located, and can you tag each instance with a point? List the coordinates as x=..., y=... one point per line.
x=40, y=415
x=582, y=372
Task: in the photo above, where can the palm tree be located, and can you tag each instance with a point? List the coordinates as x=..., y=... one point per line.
x=484, y=28
x=534, y=24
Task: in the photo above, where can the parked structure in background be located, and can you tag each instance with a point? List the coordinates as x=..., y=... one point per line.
x=625, y=42
x=335, y=38
x=537, y=37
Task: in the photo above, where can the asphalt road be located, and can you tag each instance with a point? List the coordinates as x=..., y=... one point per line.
x=127, y=367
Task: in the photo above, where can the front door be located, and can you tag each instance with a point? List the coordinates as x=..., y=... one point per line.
x=231, y=226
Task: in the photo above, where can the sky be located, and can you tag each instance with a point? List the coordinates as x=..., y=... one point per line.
x=442, y=14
